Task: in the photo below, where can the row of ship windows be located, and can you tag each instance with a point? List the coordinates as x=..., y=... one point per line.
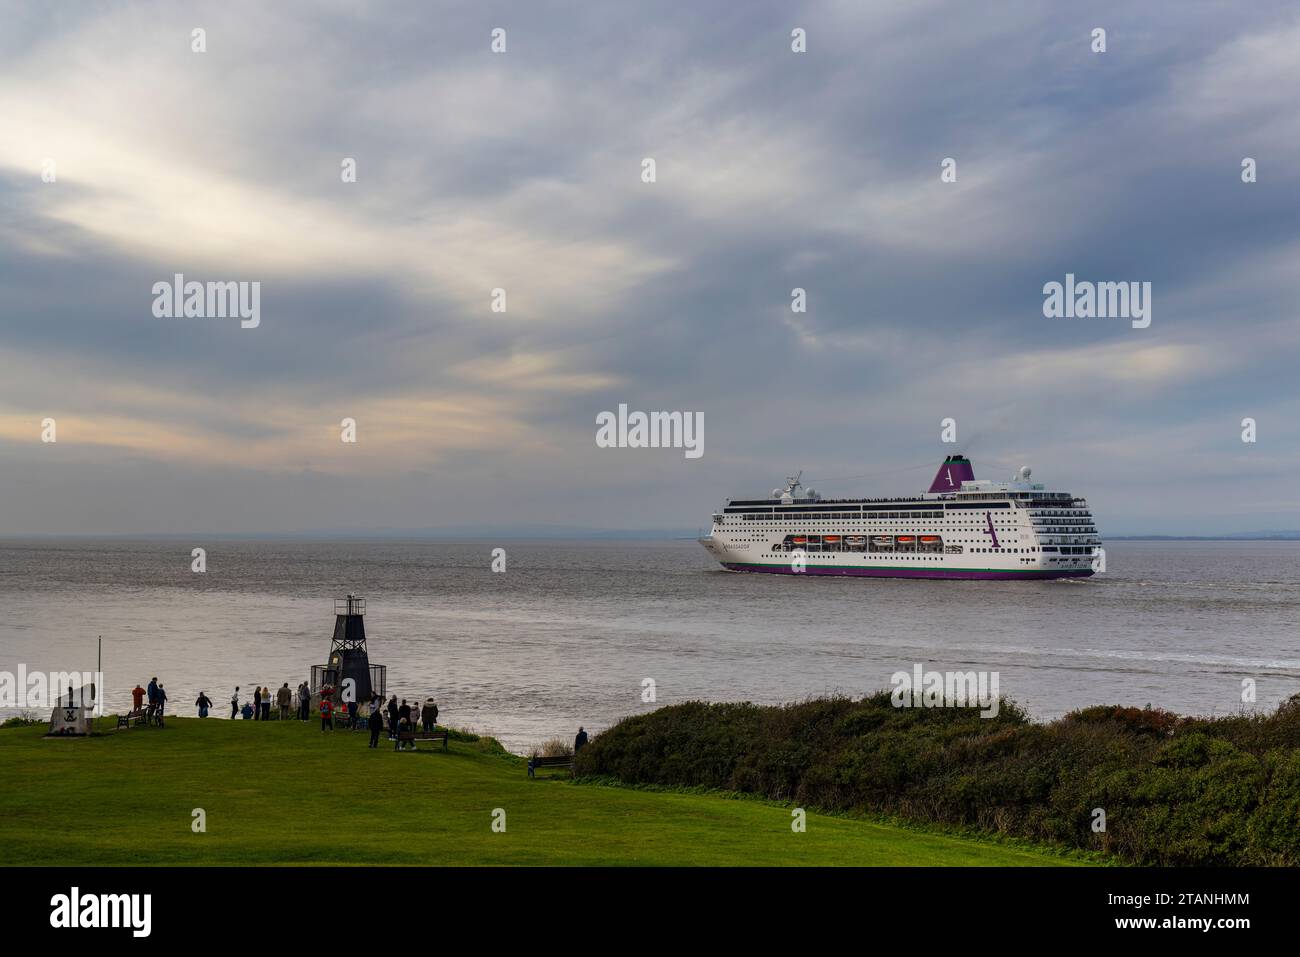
x=894, y=527
x=900, y=549
x=876, y=516
x=832, y=547
x=883, y=516
x=951, y=522
x=836, y=516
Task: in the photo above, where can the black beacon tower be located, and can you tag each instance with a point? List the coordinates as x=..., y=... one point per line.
x=348, y=658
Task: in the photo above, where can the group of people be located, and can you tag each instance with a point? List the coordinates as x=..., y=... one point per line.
x=401, y=717
x=259, y=708
x=157, y=701
x=157, y=695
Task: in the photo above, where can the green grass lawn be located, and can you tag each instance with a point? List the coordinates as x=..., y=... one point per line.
x=284, y=793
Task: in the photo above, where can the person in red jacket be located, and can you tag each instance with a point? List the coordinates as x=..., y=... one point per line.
x=137, y=698
x=326, y=713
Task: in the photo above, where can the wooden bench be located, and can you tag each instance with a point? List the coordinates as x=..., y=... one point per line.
x=558, y=761
x=414, y=736
x=138, y=716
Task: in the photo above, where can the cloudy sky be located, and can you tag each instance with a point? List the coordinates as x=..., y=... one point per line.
x=522, y=170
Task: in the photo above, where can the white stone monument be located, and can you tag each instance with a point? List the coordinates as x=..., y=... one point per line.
x=74, y=713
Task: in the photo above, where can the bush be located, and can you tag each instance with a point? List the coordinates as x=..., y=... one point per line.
x=1174, y=790
x=554, y=748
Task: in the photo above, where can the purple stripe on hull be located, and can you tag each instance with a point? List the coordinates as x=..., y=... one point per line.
x=973, y=573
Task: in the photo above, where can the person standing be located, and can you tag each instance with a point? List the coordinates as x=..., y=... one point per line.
x=282, y=698
x=234, y=703
x=428, y=715
x=266, y=703
x=153, y=699
x=404, y=714
x=257, y=703
x=326, y=713
x=579, y=741
x=203, y=704
x=376, y=723
x=392, y=717
x=137, y=698
x=162, y=703
x=304, y=702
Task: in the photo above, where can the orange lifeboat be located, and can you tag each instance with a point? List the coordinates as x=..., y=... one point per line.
x=905, y=539
x=929, y=539
x=799, y=539
x=830, y=538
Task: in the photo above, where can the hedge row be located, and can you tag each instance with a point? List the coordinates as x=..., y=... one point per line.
x=1174, y=790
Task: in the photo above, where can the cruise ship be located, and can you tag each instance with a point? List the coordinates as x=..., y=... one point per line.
x=959, y=528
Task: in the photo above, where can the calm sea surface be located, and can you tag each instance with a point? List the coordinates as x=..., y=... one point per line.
x=568, y=633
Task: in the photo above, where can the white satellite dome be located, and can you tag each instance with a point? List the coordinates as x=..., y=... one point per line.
x=1025, y=472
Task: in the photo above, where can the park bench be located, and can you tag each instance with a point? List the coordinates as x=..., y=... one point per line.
x=138, y=716
x=556, y=761
x=413, y=736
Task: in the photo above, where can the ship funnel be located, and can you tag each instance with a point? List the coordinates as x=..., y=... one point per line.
x=954, y=470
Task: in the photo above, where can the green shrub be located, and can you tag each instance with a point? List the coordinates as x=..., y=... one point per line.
x=1174, y=790
x=554, y=748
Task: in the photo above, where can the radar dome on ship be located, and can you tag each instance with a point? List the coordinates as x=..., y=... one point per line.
x=778, y=492
x=1025, y=472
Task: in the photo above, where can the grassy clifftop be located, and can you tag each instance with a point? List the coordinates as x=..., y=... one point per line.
x=1173, y=790
x=284, y=793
